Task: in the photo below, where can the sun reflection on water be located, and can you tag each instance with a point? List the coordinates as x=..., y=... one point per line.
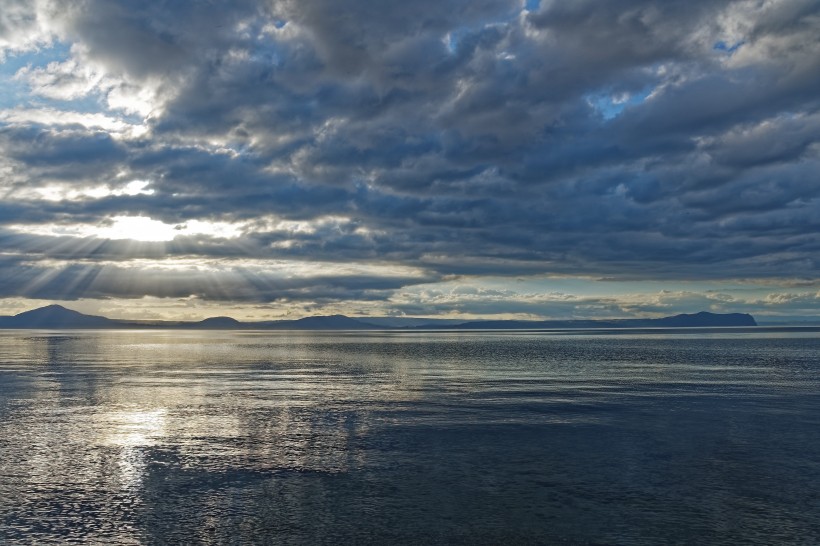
x=136, y=428
x=133, y=431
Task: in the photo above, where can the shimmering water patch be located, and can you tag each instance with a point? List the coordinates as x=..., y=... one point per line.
x=386, y=437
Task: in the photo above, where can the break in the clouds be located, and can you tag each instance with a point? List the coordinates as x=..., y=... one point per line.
x=420, y=158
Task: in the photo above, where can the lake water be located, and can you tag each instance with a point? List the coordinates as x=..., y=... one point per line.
x=403, y=438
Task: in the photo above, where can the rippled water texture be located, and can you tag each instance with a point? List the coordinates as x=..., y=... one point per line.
x=232, y=437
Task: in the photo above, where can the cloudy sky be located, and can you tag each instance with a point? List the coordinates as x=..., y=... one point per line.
x=453, y=158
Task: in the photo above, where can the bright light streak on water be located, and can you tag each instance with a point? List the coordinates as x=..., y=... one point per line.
x=384, y=437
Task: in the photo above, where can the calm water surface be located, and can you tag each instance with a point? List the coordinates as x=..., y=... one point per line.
x=391, y=438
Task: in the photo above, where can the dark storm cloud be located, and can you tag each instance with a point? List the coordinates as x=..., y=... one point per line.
x=622, y=139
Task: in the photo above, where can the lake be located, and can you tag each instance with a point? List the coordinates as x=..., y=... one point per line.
x=155, y=437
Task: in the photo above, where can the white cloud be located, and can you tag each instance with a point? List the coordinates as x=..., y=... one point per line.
x=67, y=80
x=51, y=117
x=26, y=25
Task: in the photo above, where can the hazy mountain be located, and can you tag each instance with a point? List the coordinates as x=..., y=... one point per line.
x=332, y=322
x=58, y=317
x=702, y=319
x=795, y=320
x=405, y=322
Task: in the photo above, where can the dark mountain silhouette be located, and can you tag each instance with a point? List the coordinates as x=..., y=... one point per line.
x=708, y=319
x=217, y=323
x=58, y=317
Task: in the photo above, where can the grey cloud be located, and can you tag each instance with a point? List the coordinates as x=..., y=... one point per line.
x=353, y=36
x=64, y=154
x=779, y=140
x=483, y=154
x=155, y=39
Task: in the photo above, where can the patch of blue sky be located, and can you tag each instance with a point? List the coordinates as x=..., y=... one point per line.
x=268, y=52
x=454, y=38
x=16, y=95
x=610, y=105
x=532, y=5
x=726, y=48
x=14, y=92
x=14, y=61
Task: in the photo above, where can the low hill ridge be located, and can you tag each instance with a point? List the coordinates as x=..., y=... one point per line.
x=702, y=319
x=59, y=317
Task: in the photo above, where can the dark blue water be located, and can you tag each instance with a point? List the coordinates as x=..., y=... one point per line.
x=417, y=438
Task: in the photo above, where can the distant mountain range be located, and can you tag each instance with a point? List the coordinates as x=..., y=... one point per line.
x=58, y=317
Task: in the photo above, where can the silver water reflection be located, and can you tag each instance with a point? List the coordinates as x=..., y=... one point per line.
x=221, y=437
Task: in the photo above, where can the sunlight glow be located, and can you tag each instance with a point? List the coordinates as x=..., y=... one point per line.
x=272, y=268
x=137, y=228
x=65, y=193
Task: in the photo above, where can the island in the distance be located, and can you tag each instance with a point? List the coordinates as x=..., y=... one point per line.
x=58, y=317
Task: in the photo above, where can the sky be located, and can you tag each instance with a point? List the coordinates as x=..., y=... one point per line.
x=437, y=158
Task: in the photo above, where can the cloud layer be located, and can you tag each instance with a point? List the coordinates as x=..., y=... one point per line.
x=354, y=151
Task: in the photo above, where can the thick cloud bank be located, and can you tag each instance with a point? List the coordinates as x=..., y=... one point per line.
x=322, y=152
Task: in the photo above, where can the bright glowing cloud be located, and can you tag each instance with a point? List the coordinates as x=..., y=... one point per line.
x=135, y=228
